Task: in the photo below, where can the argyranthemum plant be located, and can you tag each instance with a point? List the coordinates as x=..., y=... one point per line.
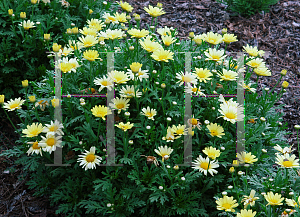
x=33, y=130
x=226, y=203
x=164, y=152
x=12, y=105
x=204, y=165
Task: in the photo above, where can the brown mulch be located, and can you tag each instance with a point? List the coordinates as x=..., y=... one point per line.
x=277, y=32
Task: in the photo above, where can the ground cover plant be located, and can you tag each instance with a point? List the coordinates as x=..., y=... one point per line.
x=151, y=79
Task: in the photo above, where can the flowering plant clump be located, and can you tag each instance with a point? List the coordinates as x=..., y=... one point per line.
x=137, y=122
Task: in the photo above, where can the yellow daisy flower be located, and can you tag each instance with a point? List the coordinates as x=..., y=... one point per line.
x=88, y=41
x=246, y=158
x=246, y=213
x=252, y=51
x=198, y=39
x=110, y=18
x=95, y=24
x=124, y=127
x=126, y=6
x=179, y=130
x=211, y=152
x=228, y=38
x=150, y=113
x=162, y=55
x=228, y=75
x=88, y=31
x=273, y=200
x=215, y=130
x=203, y=75
x=170, y=135
x=120, y=104
x=54, y=128
x=164, y=31
x=121, y=17
x=154, y=11
x=91, y=55
x=100, y=111
x=287, y=161
x=215, y=55
x=164, y=152
x=255, y=63
x=226, y=203
x=136, y=33
x=12, y=105
x=262, y=71
x=292, y=202
x=168, y=40
x=213, y=38
x=118, y=77
x=112, y=34
x=149, y=45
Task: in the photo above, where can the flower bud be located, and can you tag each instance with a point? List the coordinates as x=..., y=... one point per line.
x=75, y=30
x=23, y=15
x=131, y=48
x=283, y=72
x=168, y=166
x=182, y=178
x=174, y=103
x=137, y=18
x=108, y=205
x=262, y=119
x=285, y=84
x=279, y=123
x=73, y=24
x=91, y=11
x=264, y=150
x=240, y=173
x=230, y=187
x=161, y=187
x=2, y=99
x=263, y=193
x=104, y=2
x=271, y=180
x=169, y=119
x=267, y=89
x=176, y=167
x=191, y=34
x=224, y=193
x=206, y=122
x=291, y=193
x=55, y=102
x=263, y=134
x=177, y=43
x=223, y=148
x=10, y=12
x=159, y=5
x=154, y=72
x=47, y=37
x=56, y=47
x=297, y=127
x=224, y=31
x=163, y=85
x=130, y=142
x=213, y=108
x=231, y=170
x=31, y=98
x=25, y=83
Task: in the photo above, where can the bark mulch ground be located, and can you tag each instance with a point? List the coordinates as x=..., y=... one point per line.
x=277, y=32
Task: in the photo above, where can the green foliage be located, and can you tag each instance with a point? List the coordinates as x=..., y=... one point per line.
x=248, y=7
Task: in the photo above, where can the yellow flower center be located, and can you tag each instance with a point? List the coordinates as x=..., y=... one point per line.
x=148, y=114
x=163, y=57
x=215, y=57
x=104, y=83
x=254, y=64
x=179, y=131
x=34, y=132
x=120, y=106
x=230, y=115
x=194, y=89
x=52, y=129
x=204, y=165
x=90, y=158
x=35, y=145
x=226, y=205
x=101, y=113
x=214, y=132
x=287, y=163
x=15, y=105
x=50, y=142
x=201, y=74
x=193, y=121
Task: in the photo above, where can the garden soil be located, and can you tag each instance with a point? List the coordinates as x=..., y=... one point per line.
x=276, y=32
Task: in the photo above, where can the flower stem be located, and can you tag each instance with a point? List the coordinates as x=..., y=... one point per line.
x=98, y=131
x=11, y=122
x=275, y=84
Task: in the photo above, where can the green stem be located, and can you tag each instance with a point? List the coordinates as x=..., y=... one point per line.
x=91, y=75
x=137, y=101
x=11, y=122
x=276, y=84
x=19, y=117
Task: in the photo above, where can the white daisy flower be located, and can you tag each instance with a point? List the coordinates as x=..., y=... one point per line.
x=35, y=148
x=50, y=142
x=54, y=127
x=204, y=165
x=89, y=159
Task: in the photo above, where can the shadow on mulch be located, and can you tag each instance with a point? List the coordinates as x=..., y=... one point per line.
x=16, y=200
